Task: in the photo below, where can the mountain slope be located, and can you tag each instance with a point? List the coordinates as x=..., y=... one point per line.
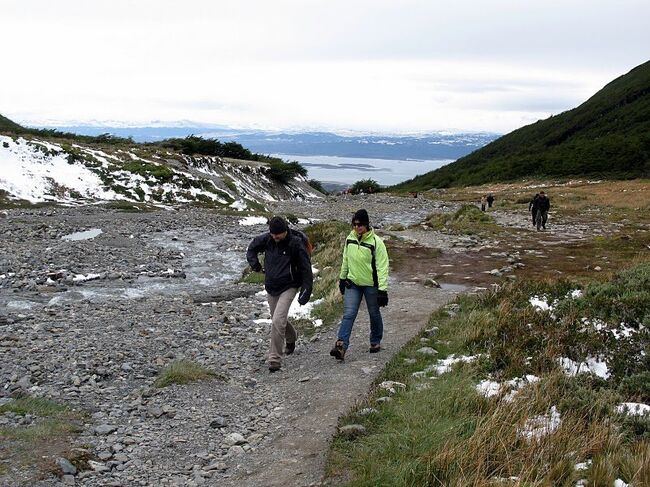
x=607, y=136
x=38, y=169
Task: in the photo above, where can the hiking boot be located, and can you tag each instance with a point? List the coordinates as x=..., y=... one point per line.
x=374, y=348
x=338, y=352
x=274, y=367
x=290, y=348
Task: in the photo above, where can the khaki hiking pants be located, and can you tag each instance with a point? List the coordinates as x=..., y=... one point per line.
x=281, y=330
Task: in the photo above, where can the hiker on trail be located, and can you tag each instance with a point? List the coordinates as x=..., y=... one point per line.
x=531, y=204
x=490, y=200
x=364, y=274
x=540, y=208
x=483, y=202
x=287, y=270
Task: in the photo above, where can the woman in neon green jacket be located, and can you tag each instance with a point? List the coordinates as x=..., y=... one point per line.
x=364, y=274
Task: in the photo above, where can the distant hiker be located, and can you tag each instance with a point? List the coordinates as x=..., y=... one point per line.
x=483, y=202
x=531, y=204
x=287, y=269
x=490, y=200
x=540, y=208
x=364, y=274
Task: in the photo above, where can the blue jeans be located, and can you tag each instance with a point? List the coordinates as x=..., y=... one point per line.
x=351, y=303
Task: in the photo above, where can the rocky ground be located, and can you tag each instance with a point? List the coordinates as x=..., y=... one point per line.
x=91, y=323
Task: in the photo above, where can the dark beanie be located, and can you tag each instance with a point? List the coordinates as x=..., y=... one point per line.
x=361, y=216
x=277, y=224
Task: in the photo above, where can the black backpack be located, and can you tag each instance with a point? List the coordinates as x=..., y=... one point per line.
x=305, y=239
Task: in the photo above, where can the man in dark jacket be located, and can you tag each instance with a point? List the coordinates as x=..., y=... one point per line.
x=287, y=269
x=540, y=206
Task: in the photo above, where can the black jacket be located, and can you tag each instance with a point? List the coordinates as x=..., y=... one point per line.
x=541, y=203
x=286, y=263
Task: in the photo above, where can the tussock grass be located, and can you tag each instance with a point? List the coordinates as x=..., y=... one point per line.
x=45, y=430
x=328, y=239
x=129, y=206
x=439, y=431
x=37, y=406
x=467, y=220
x=47, y=437
x=183, y=372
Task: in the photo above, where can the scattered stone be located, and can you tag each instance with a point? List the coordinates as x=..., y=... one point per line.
x=234, y=439
x=66, y=467
x=221, y=466
x=427, y=351
x=105, y=429
x=367, y=411
x=219, y=422
x=352, y=430
x=392, y=386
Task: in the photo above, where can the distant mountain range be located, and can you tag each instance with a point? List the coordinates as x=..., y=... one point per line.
x=608, y=136
x=422, y=147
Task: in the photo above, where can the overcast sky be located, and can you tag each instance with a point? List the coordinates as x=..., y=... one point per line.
x=362, y=65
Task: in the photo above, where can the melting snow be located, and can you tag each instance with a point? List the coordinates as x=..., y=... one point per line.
x=87, y=277
x=445, y=365
x=540, y=426
x=633, y=409
x=593, y=365
x=540, y=302
x=85, y=235
x=239, y=205
x=576, y=294
x=253, y=220
x=489, y=388
x=28, y=173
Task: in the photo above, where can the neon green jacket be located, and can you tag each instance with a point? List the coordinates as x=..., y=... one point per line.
x=365, y=262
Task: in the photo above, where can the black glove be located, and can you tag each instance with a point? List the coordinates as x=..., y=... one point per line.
x=343, y=283
x=257, y=267
x=303, y=297
x=382, y=298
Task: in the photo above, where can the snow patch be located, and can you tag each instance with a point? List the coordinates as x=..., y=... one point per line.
x=591, y=365
x=253, y=220
x=540, y=426
x=633, y=409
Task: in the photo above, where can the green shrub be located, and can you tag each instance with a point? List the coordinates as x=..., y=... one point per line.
x=183, y=372
x=365, y=186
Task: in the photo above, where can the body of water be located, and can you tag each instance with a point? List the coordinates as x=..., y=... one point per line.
x=348, y=170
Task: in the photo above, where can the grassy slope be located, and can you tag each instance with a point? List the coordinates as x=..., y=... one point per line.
x=607, y=136
x=441, y=432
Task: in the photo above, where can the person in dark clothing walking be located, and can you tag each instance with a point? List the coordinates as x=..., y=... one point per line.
x=531, y=204
x=540, y=208
x=287, y=270
x=490, y=200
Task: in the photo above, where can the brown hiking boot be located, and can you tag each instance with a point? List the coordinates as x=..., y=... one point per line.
x=374, y=348
x=338, y=351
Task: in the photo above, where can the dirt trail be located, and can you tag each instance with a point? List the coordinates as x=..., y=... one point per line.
x=298, y=453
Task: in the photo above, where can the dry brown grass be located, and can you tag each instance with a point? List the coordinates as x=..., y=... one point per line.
x=571, y=196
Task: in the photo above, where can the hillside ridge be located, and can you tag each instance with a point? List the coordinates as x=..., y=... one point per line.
x=607, y=136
